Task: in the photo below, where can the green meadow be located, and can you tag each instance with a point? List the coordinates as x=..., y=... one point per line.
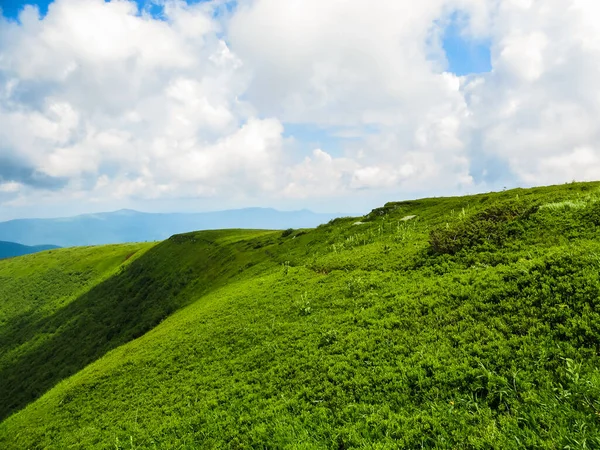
x=445, y=323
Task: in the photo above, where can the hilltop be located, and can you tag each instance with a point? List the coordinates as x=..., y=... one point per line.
x=463, y=322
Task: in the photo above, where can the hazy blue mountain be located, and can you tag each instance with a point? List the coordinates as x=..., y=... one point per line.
x=133, y=226
x=10, y=249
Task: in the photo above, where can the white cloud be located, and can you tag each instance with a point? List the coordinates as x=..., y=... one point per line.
x=319, y=175
x=538, y=109
x=353, y=64
x=523, y=53
x=344, y=62
x=10, y=187
x=118, y=103
x=242, y=160
x=582, y=163
x=101, y=101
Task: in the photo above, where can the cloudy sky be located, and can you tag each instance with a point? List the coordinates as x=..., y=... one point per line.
x=331, y=105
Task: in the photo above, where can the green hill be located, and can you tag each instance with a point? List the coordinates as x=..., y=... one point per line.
x=12, y=249
x=465, y=322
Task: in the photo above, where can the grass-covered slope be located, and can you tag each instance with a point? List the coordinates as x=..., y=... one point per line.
x=474, y=324
x=37, y=294
x=39, y=347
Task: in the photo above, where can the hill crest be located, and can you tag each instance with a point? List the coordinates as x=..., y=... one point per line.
x=133, y=226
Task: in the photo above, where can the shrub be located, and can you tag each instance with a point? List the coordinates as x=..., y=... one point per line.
x=591, y=214
x=492, y=226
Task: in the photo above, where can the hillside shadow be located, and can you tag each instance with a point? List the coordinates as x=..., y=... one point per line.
x=116, y=311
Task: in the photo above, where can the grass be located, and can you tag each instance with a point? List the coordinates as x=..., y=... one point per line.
x=565, y=204
x=44, y=297
x=473, y=325
x=43, y=282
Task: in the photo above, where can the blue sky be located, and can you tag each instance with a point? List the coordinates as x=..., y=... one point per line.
x=11, y=8
x=465, y=56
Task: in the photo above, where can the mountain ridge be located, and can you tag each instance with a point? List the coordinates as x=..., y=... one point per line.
x=128, y=225
x=12, y=249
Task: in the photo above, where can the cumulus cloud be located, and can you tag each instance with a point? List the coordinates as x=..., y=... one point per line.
x=101, y=100
x=537, y=109
x=351, y=65
x=348, y=64
x=116, y=102
x=345, y=62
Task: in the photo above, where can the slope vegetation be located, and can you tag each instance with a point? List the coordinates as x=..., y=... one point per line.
x=42, y=345
x=37, y=294
x=467, y=322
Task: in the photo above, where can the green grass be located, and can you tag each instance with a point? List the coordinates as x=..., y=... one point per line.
x=43, y=282
x=40, y=295
x=475, y=324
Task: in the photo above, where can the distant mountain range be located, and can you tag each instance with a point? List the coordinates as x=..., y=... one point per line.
x=10, y=249
x=134, y=226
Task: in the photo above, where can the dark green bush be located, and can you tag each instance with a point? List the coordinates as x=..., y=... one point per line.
x=287, y=232
x=489, y=228
x=591, y=214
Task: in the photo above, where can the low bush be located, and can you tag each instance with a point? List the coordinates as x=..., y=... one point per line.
x=488, y=228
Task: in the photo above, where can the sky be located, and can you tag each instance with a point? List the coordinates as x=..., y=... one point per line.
x=329, y=105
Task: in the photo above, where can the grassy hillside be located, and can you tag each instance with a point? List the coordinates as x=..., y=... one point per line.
x=12, y=249
x=41, y=345
x=36, y=294
x=473, y=324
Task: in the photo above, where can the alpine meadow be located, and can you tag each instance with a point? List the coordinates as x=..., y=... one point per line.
x=462, y=322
